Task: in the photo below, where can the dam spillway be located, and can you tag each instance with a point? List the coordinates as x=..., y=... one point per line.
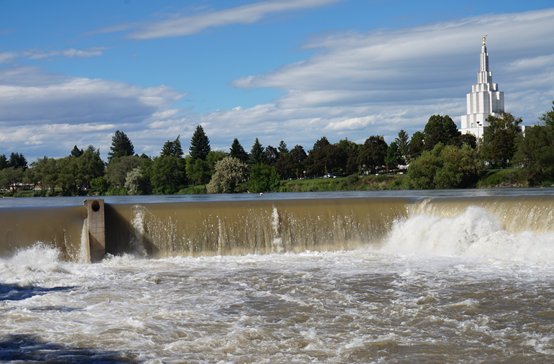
x=446, y=276
x=260, y=225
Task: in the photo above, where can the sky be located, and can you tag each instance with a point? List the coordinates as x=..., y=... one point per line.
x=74, y=72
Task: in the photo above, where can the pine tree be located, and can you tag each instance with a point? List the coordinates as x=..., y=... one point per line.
x=237, y=151
x=199, y=144
x=172, y=148
x=257, y=153
x=403, y=143
x=17, y=160
x=3, y=162
x=76, y=152
x=121, y=146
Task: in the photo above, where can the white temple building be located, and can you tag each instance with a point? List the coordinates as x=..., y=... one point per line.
x=483, y=100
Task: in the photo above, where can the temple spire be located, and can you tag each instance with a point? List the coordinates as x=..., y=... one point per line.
x=484, y=75
x=484, y=99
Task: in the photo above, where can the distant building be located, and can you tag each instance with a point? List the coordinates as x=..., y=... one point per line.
x=483, y=100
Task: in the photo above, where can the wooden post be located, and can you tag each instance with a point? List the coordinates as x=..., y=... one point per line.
x=96, y=229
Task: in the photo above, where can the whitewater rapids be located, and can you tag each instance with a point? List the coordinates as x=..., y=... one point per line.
x=438, y=289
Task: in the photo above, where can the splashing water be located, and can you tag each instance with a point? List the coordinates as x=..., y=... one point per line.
x=277, y=242
x=474, y=233
x=139, y=231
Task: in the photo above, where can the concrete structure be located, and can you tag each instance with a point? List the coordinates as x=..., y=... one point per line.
x=483, y=100
x=96, y=229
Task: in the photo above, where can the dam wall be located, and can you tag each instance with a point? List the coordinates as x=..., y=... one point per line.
x=197, y=228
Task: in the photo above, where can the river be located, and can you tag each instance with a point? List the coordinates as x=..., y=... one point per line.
x=401, y=277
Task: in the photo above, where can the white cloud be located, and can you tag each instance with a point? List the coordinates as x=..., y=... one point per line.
x=355, y=85
x=6, y=57
x=69, y=53
x=246, y=14
x=50, y=111
x=377, y=83
x=77, y=100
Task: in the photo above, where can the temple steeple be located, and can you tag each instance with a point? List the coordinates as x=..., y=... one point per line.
x=484, y=75
x=484, y=98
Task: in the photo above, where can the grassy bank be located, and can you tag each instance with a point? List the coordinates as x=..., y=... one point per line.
x=351, y=183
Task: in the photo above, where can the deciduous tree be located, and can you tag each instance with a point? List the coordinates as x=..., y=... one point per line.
x=168, y=174
x=229, y=174
x=499, y=139
x=372, y=153
x=440, y=129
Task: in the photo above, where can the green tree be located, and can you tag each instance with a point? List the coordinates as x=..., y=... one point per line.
x=271, y=155
x=417, y=145
x=137, y=183
x=76, y=152
x=121, y=146
x=214, y=156
x=282, y=148
x=198, y=171
x=46, y=172
x=237, y=151
x=17, y=160
x=322, y=159
x=10, y=177
x=118, y=168
x=257, y=153
x=468, y=139
x=3, y=162
x=499, y=139
x=440, y=129
x=393, y=157
x=548, y=117
x=199, y=144
x=535, y=153
x=347, y=157
x=229, y=174
x=172, y=148
x=445, y=167
x=88, y=167
x=168, y=174
x=403, y=143
x=372, y=154
x=283, y=161
x=263, y=178
x=297, y=160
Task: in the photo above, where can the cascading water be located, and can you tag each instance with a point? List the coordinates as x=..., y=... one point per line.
x=138, y=225
x=371, y=280
x=476, y=232
x=84, y=253
x=277, y=242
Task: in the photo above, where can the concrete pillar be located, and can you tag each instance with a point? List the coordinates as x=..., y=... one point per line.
x=96, y=229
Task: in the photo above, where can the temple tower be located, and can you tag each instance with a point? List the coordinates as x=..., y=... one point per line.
x=483, y=100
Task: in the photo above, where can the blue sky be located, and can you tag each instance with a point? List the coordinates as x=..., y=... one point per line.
x=73, y=72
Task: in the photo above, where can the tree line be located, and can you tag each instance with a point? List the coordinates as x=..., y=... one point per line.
x=436, y=157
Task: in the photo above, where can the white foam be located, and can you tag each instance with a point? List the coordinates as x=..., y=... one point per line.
x=474, y=233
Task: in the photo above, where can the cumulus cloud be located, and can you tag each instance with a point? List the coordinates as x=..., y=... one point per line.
x=182, y=25
x=39, y=109
x=376, y=83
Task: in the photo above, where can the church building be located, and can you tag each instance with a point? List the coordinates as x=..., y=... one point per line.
x=483, y=100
